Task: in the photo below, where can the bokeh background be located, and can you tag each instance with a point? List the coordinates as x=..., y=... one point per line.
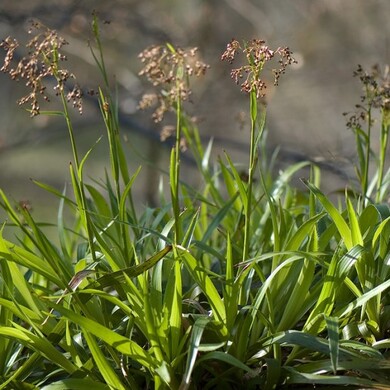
x=329, y=39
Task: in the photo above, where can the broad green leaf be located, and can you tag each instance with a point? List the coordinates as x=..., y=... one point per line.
x=342, y=226
x=22, y=286
x=264, y=289
x=99, y=201
x=103, y=363
x=76, y=384
x=336, y=275
x=303, y=232
x=122, y=344
x=118, y=277
x=333, y=336
x=24, y=258
x=231, y=186
x=23, y=312
x=172, y=308
x=302, y=339
x=294, y=377
x=208, y=288
x=39, y=344
x=219, y=216
x=226, y=358
x=273, y=373
x=361, y=300
x=193, y=351
x=238, y=183
x=356, y=234
x=190, y=231
x=379, y=230
x=230, y=295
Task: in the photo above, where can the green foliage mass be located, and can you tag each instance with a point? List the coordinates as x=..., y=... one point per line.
x=244, y=282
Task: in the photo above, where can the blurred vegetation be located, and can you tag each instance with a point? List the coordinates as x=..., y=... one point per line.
x=329, y=38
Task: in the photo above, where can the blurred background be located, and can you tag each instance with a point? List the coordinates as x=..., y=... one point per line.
x=329, y=39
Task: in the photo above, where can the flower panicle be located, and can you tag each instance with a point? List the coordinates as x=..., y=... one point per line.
x=257, y=54
x=41, y=62
x=376, y=87
x=169, y=69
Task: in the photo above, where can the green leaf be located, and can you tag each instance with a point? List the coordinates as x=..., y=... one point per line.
x=336, y=275
x=273, y=373
x=76, y=384
x=40, y=344
x=225, y=357
x=172, y=308
x=118, y=277
x=339, y=221
x=122, y=344
x=294, y=377
x=208, y=288
x=361, y=300
x=238, y=183
x=193, y=351
x=356, y=234
x=333, y=335
x=25, y=258
x=217, y=219
x=102, y=363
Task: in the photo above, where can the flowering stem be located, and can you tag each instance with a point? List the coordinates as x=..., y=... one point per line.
x=367, y=160
x=252, y=163
x=385, y=127
x=175, y=173
x=70, y=130
x=54, y=63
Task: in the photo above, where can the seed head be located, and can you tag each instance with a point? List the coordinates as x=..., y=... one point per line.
x=257, y=54
x=41, y=62
x=376, y=87
x=170, y=69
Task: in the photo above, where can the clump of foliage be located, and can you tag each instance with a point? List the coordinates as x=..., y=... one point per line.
x=246, y=281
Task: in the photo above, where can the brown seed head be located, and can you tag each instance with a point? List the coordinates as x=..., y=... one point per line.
x=257, y=54
x=376, y=87
x=170, y=69
x=41, y=62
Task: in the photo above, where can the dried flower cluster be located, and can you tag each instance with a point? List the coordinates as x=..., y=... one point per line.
x=257, y=54
x=170, y=69
x=376, y=85
x=41, y=62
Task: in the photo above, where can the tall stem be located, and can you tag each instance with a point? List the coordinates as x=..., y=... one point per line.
x=175, y=174
x=385, y=127
x=367, y=161
x=70, y=131
x=251, y=167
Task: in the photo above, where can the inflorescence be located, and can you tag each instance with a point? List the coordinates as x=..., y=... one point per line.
x=257, y=54
x=41, y=62
x=376, y=86
x=169, y=69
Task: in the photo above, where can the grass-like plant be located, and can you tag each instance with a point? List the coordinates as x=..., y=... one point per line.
x=243, y=281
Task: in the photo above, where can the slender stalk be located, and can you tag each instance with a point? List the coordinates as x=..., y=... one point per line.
x=78, y=182
x=100, y=62
x=367, y=160
x=385, y=127
x=70, y=130
x=110, y=114
x=176, y=174
x=252, y=162
x=54, y=64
